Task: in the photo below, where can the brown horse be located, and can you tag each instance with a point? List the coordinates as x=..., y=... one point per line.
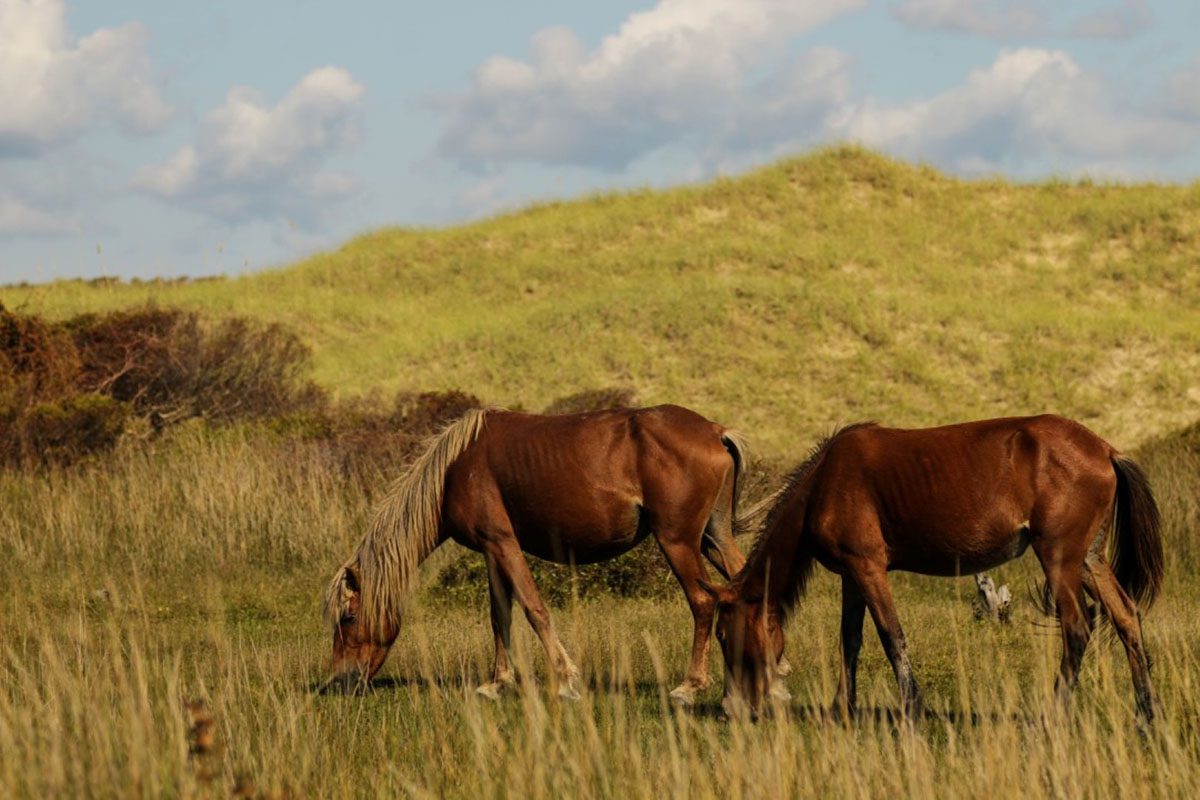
x=573, y=488
x=949, y=501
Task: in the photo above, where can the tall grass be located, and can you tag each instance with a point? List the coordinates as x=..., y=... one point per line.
x=191, y=570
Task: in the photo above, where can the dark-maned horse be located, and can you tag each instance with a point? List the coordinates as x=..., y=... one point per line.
x=949, y=501
x=572, y=488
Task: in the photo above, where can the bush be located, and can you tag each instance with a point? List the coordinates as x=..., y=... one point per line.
x=68, y=389
x=642, y=572
x=170, y=361
x=368, y=443
x=593, y=400
x=65, y=430
x=1172, y=463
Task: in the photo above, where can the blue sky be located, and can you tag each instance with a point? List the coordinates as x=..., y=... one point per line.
x=151, y=138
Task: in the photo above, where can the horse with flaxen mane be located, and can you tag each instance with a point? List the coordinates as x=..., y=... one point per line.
x=949, y=501
x=572, y=488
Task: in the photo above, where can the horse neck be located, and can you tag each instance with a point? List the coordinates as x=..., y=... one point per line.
x=389, y=571
x=779, y=565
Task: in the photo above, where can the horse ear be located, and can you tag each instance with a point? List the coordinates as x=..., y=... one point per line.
x=351, y=595
x=722, y=594
x=350, y=581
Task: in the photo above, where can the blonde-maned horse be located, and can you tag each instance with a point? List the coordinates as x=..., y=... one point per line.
x=575, y=488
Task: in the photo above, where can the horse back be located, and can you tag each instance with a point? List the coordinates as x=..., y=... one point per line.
x=956, y=498
x=584, y=483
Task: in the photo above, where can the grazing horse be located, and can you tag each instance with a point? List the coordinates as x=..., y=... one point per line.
x=949, y=501
x=575, y=488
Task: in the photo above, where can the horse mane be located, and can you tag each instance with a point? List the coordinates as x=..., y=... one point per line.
x=403, y=530
x=796, y=485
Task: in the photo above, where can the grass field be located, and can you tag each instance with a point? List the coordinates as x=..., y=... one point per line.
x=818, y=291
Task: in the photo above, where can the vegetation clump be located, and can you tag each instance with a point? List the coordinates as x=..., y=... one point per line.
x=72, y=388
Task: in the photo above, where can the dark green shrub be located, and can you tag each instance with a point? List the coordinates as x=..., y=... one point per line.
x=642, y=572
x=65, y=430
x=593, y=400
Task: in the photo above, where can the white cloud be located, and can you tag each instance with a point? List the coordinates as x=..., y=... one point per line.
x=18, y=218
x=53, y=87
x=251, y=159
x=686, y=70
x=981, y=17
x=1029, y=104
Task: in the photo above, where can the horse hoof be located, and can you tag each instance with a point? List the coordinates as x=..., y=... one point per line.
x=493, y=690
x=780, y=692
x=784, y=667
x=683, y=696
x=569, y=691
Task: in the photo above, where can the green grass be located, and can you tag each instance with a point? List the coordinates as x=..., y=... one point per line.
x=825, y=289
x=821, y=290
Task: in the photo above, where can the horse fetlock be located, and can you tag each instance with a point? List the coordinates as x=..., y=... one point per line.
x=502, y=685
x=569, y=689
x=684, y=694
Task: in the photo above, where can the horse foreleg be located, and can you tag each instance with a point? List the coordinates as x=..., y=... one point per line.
x=877, y=594
x=511, y=564
x=854, y=609
x=1122, y=612
x=500, y=591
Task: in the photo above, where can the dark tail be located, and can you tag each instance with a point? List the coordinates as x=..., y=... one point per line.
x=1136, y=546
x=739, y=451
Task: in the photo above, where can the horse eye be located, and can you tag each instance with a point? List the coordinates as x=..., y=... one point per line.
x=348, y=617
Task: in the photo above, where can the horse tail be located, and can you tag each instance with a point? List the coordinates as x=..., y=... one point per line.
x=1136, y=548
x=750, y=519
x=739, y=450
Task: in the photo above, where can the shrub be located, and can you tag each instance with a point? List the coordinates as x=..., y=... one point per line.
x=67, y=389
x=593, y=400
x=642, y=572
x=170, y=361
x=1172, y=463
x=65, y=430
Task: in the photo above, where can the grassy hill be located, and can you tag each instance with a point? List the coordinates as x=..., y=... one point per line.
x=834, y=287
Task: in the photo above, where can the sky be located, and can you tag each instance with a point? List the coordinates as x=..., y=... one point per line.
x=142, y=139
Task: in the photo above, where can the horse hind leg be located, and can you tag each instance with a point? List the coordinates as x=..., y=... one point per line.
x=1121, y=611
x=1064, y=580
x=684, y=559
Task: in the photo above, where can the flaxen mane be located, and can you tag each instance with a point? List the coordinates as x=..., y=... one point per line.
x=796, y=487
x=403, y=530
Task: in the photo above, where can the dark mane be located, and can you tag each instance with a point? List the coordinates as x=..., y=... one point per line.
x=796, y=481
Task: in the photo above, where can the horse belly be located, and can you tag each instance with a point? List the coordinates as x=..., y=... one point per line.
x=581, y=535
x=965, y=555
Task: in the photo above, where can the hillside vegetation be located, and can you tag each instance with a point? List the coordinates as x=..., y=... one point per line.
x=834, y=287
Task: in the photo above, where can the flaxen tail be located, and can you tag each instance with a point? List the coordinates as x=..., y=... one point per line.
x=1136, y=543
